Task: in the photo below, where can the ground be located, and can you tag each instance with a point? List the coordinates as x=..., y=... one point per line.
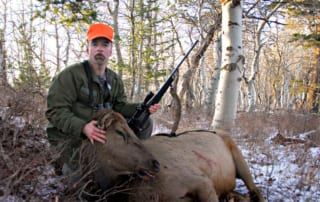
x=282, y=150
x=283, y=153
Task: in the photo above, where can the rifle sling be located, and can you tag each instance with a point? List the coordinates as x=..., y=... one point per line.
x=184, y=132
x=87, y=69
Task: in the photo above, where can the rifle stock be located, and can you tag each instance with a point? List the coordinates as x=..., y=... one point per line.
x=142, y=113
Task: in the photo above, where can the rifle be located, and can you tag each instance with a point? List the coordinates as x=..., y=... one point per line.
x=142, y=113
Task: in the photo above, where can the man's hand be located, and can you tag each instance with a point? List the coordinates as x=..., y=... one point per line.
x=154, y=108
x=94, y=133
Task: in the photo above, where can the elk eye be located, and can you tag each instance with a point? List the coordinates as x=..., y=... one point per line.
x=137, y=144
x=99, y=126
x=121, y=134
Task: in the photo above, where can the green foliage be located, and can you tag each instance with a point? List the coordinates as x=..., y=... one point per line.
x=114, y=65
x=33, y=77
x=303, y=7
x=143, y=40
x=30, y=71
x=68, y=12
x=159, y=74
x=309, y=40
x=308, y=13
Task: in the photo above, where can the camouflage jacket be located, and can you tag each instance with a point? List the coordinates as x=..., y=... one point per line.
x=68, y=97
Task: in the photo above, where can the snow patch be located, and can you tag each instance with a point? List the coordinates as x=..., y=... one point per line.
x=306, y=134
x=284, y=173
x=315, y=153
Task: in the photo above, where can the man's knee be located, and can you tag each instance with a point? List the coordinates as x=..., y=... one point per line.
x=67, y=156
x=146, y=130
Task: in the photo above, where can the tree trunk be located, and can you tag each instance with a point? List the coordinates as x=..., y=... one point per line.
x=133, y=60
x=316, y=103
x=140, y=51
x=255, y=63
x=232, y=66
x=3, y=75
x=184, y=85
x=203, y=71
x=116, y=41
x=312, y=97
x=148, y=48
x=171, y=102
x=137, y=90
x=176, y=107
x=66, y=58
x=211, y=96
x=187, y=77
x=57, y=40
x=203, y=75
x=275, y=93
x=155, y=42
x=303, y=101
x=3, y=65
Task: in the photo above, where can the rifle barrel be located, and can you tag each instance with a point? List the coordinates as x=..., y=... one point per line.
x=183, y=59
x=157, y=97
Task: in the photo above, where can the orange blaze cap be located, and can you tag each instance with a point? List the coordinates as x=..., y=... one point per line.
x=99, y=30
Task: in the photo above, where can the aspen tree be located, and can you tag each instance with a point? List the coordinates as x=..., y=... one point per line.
x=232, y=65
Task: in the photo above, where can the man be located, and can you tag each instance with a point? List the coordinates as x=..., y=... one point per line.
x=78, y=92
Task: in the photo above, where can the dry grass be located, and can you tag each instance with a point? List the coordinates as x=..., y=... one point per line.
x=278, y=147
x=286, y=123
x=25, y=159
x=25, y=169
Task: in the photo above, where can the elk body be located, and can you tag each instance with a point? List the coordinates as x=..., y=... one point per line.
x=195, y=166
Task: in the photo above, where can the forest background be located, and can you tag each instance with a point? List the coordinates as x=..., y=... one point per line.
x=281, y=73
x=280, y=46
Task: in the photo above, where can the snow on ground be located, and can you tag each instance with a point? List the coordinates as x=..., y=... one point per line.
x=284, y=173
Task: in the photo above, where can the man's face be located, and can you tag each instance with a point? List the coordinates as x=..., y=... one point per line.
x=99, y=51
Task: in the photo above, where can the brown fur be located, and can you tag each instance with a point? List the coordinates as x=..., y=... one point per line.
x=196, y=166
x=123, y=153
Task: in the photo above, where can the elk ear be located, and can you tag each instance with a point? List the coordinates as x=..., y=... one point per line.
x=100, y=114
x=105, y=118
x=119, y=118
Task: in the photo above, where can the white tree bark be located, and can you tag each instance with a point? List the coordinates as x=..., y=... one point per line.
x=232, y=66
x=211, y=97
x=2, y=67
x=115, y=15
x=203, y=75
x=203, y=71
x=58, y=47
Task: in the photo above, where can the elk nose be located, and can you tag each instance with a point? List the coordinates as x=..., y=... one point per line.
x=155, y=165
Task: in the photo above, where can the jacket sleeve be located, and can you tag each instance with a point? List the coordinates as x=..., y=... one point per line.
x=120, y=103
x=61, y=96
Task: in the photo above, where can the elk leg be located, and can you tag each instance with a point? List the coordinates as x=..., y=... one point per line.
x=242, y=169
x=206, y=192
